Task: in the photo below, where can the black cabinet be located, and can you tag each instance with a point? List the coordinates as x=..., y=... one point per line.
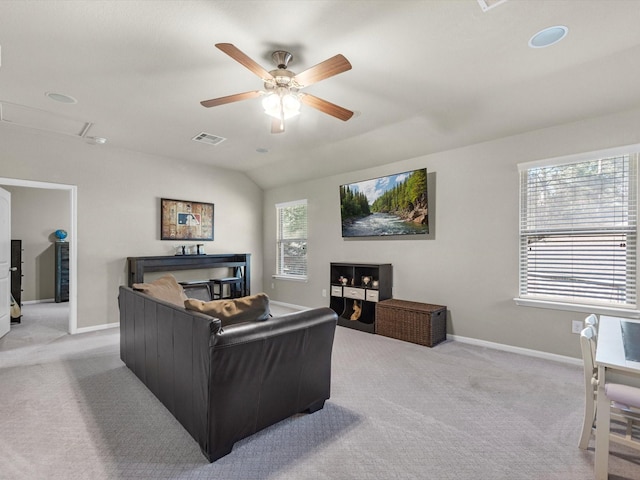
x=62, y=272
x=356, y=288
x=16, y=275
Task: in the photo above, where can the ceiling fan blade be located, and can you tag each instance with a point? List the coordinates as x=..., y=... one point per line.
x=326, y=107
x=242, y=58
x=328, y=68
x=214, y=102
x=277, y=125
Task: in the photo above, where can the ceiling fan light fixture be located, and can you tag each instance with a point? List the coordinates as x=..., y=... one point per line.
x=281, y=106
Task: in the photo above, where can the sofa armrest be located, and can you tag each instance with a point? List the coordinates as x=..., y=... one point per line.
x=168, y=349
x=264, y=372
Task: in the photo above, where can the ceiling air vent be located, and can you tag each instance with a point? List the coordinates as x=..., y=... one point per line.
x=208, y=138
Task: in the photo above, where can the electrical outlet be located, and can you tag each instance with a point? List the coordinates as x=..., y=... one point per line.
x=576, y=326
x=324, y=292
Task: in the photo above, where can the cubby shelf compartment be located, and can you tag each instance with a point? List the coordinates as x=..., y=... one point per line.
x=355, y=291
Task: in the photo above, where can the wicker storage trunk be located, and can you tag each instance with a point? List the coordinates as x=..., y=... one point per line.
x=413, y=322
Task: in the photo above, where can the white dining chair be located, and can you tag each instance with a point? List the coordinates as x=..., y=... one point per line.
x=587, y=342
x=625, y=400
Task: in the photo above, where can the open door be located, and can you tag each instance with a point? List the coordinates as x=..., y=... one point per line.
x=5, y=261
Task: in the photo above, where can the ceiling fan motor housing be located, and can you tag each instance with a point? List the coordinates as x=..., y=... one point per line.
x=281, y=59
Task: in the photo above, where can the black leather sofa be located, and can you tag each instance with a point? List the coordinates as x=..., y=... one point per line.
x=224, y=384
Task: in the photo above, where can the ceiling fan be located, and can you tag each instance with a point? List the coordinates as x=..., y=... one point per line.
x=282, y=96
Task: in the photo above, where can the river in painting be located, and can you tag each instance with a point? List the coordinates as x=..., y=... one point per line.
x=378, y=224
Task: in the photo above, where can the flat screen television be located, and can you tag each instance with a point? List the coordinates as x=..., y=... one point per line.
x=386, y=206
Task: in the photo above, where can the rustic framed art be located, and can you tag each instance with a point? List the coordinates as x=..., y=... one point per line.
x=185, y=220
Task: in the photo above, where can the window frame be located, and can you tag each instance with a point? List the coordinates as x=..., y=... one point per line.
x=566, y=303
x=280, y=241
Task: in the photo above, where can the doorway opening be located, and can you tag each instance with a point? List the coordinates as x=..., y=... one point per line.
x=72, y=192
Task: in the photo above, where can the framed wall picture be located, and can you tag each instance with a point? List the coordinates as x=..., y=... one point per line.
x=185, y=220
x=386, y=206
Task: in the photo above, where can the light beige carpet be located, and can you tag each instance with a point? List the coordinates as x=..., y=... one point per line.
x=69, y=409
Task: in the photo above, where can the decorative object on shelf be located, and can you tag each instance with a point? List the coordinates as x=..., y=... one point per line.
x=343, y=280
x=197, y=249
x=366, y=281
x=185, y=220
x=375, y=284
x=61, y=235
x=357, y=309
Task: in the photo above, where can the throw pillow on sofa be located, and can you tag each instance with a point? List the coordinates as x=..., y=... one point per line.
x=233, y=310
x=165, y=288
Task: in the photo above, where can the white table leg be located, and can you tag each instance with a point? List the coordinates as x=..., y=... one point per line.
x=603, y=415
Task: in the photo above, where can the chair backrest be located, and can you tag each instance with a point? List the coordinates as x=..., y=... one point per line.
x=587, y=346
x=592, y=321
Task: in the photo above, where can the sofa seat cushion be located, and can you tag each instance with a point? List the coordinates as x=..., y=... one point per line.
x=164, y=288
x=233, y=310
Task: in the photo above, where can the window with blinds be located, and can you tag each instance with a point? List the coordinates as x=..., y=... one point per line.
x=578, y=231
x=291, y=257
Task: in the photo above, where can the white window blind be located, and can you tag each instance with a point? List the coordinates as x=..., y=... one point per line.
x=578, y=231
x=291, y=257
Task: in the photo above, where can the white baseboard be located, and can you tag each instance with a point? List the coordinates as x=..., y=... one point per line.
x=44, y=300
x=96, y=328
x=519, y=350
x=455, y=338
x=289, y=305
x=484, y=343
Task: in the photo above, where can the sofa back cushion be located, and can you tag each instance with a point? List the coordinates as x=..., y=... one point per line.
x=233, y=310
x=164, y=288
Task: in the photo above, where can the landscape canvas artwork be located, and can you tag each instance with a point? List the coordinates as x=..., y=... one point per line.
x=185, y=220
x=386, y=206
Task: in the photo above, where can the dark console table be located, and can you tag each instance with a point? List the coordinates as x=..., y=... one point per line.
x=240, y=262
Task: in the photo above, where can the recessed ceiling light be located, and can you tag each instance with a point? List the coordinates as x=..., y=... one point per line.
x=60, y=97
x=548, y=36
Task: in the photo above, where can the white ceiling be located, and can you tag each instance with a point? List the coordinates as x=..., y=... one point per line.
x=427, y=75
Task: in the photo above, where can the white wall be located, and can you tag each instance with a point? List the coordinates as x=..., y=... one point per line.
x=118, y=208
x=471, y=262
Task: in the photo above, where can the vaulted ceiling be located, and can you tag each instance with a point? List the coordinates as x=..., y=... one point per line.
x=427, y=75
